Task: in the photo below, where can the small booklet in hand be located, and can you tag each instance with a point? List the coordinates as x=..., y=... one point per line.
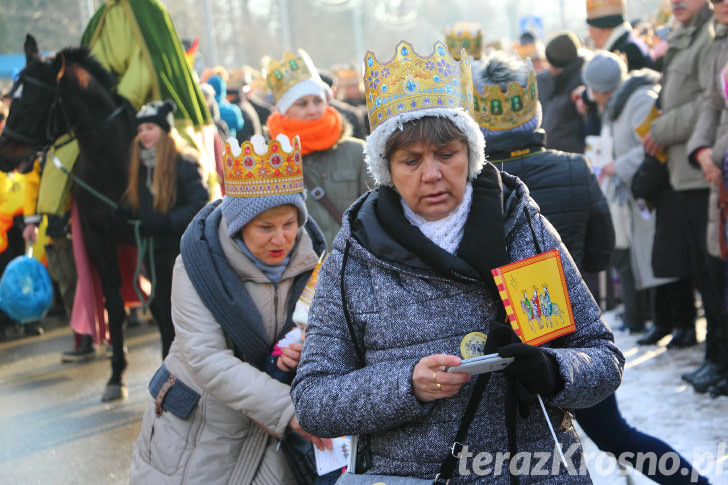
x=330, y=460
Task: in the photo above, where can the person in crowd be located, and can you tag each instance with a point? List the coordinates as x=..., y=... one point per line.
x=410, y=276
x=707, y=148
x=609, y=31
x=568, y=194
x=530, y=47
x=255, y=91
x=348, y=86
x=562, y=184
x=353, y=116
x=625, y=101
x=166, y=189
x=669, y=134
x=137, y=42
x=251, y=121
x=335, y=172
x=229, y=113
x=244, y=261
x=563, y=123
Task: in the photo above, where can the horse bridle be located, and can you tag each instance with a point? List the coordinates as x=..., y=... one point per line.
x=56, y=103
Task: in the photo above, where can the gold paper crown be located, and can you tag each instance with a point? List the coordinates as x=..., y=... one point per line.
x=498, y=111
x=604, y=8
x=409, y=82
x=465, y=36
x=284, y=74
x=256, y=169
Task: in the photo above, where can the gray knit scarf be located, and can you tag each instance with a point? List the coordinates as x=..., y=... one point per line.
x=149, y=159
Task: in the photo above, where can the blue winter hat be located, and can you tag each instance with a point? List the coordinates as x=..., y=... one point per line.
x=239, y=211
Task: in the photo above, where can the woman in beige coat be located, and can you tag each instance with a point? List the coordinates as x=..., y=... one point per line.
x=215, y=415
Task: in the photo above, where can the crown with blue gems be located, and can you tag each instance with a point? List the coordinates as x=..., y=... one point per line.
x=468, y=36
x=498, y=111
x=256, y=168
x=409, y=82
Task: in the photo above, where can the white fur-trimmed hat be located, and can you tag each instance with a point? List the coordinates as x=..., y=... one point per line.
x=374, y=150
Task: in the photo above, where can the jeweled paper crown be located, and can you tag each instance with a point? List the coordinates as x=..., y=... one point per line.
x=409, y=82
x=604, y=8
x=468, y=36
x=284, y=74
x=256, y=168
x=498, y=111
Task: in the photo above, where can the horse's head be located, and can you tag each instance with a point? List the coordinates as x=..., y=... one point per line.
x=37, y=113
x=25, y=131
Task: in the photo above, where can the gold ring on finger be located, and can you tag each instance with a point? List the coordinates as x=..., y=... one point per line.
x=434, y=377
x=439, y=386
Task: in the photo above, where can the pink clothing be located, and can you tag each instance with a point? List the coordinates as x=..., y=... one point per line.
x=89, y=315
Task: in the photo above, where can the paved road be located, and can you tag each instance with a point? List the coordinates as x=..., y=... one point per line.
x=53, y=427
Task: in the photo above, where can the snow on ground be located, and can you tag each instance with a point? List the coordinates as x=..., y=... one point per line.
x=654, y=399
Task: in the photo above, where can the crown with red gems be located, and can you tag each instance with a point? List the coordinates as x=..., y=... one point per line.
x=256, y=168
x=409, y=82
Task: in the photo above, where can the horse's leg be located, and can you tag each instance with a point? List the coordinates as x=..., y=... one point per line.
x=104, y=257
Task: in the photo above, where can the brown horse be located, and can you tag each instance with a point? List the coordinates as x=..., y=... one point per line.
x=72, y=93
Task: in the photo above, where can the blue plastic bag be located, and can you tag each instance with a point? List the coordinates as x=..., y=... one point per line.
x=26, y=291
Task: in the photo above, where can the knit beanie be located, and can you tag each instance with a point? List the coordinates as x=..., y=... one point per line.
x=605, y=14
x=157, y=112
x=562, y=49
x=239, y=211
x=604, y=72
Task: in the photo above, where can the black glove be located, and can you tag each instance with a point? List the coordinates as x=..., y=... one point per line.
x=532, y=372
x=124, y=213
x=153, y=223
x=499, y=335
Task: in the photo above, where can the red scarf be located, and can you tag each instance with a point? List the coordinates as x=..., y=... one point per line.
x=316, y=135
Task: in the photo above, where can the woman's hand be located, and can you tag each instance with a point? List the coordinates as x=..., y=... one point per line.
x=429, y=382
x=30, y=234
x=290, y=357
x=320, y=443
x=711, y=172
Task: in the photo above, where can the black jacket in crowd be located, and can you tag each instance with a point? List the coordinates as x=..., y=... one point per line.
x=567, y=191
x=671, y=248
x=192, y=195
x=561, y=121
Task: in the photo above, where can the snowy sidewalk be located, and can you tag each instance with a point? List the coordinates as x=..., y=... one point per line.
x=653, y=399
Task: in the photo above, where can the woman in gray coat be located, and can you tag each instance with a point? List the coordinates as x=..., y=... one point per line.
x=409, y=278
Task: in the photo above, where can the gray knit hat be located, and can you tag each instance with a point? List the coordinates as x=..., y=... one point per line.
x=240, y=205
x=604, y=72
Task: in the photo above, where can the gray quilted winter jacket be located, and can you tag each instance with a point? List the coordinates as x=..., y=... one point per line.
x=402, y=311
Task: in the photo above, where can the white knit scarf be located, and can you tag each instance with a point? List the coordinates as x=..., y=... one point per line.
x=448, y=231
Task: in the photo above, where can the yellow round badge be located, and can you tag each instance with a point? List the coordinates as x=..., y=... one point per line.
x=473, y=345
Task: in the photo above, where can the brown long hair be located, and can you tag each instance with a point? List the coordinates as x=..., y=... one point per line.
x=164, y=183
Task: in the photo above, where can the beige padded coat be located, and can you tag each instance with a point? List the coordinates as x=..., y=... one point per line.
x=231, y=435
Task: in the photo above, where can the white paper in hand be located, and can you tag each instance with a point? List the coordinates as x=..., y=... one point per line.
x=330, y=460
